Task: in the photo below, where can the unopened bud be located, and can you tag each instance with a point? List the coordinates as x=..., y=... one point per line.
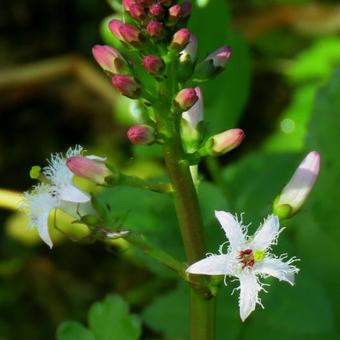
x=92, y=168
x=175, y=13
x=108, y=58
x=186, y=9
x=185, y=99
x=141, y=134
x=180, y=39
x=155, y=30
x=127, y=4
x=195, y=114
x=137, y=12
x=153, y=64
x=125, y=32
x=298, y=188
x=126, y=85
x=224, y=142
x=213, y=64
x=157, y=11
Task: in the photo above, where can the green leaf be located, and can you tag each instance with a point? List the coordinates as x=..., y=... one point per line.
x=70, y=330
x=110, y=320
x=225, y=96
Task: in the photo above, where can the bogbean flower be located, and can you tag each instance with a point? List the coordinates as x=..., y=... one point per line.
x=247, y=259
x=58, y=192
x=298, y=188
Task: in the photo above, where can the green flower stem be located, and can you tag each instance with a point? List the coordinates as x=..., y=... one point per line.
x=190, y=221
x=140, y=242
x=137, y=182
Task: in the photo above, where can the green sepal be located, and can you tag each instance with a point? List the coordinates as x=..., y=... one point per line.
x=35, y=172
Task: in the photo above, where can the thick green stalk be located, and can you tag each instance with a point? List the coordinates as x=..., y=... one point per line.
x=190, y=221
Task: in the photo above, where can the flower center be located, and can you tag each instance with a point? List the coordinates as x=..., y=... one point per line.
x=248, y=257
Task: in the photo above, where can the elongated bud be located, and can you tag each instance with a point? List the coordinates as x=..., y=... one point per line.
x=224, y=142
x=108, y=58
x=137, y=12
x=155, y=30
x=195, y=114
x=153, y=64
x=180, y=39
x=126, y=85
x=125, y=32
x=89, y=167
x=213, y=64
x=298, y=188
x=175, y=13
x=185, y=99
x=141, y=134
x=157, y=11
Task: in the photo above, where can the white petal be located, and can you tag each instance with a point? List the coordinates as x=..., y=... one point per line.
x=266, y=234
x=249, y=289
x=96, y=158
x=232, y=228
x=284, y=271
x=212, y=265
x=72, y=194
x=42, y=228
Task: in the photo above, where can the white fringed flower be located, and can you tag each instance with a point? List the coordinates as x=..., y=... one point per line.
x=247, y=259
x=59, y=192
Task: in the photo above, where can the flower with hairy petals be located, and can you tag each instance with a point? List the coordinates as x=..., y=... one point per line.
x=247, y=259
x=58, y=193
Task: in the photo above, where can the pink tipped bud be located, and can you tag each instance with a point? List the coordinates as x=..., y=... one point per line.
x=186, y=98
x=175, y=13
x=224, y=142
x=298, y=188
x=213, y=64
x=186, y=9
x=128, y=3
x=157, y=11
x=221, y=56
x=126, y=85
x=180, y=39
x=155, y=29
x=108, y=58
x=141, y=134
x=90, y=167
x=153, y=64
x=195, y=114
x=126, y=33
x=137, y=12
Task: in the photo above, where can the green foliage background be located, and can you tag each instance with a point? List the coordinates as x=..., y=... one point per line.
x=284, y=89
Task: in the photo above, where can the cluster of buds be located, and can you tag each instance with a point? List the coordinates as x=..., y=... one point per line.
x=157, y=57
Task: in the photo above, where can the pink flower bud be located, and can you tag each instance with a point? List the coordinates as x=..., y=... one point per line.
x=153, y=64
x=127, y=4
x=225, y=141
x=220, y=56
x=141, y=134
x=180, y=39
x=155, y=29
x=90, y=167
x=186, y=9
x=157, y=11
x=137, y=12
x=195, y=114
x=175, y=13
x=126, y=33
x=298, y=188
x=185, y=99
x=108, y=58
x=126, y=85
